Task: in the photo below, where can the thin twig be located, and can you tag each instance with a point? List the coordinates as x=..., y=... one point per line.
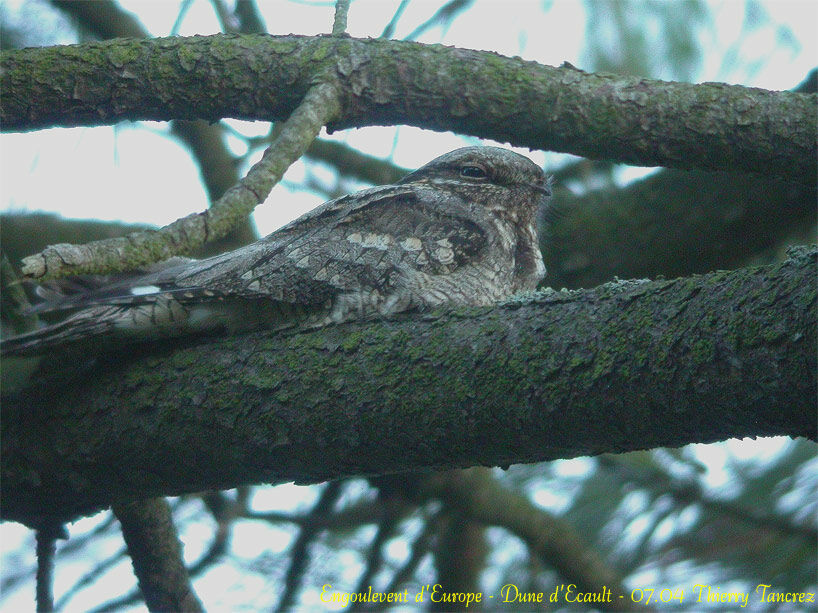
x=442, y=17
x=299, y=552
x=320, y=105
x=46, y=536
x=183, y=9
x=46, y=547
x=339, y=25
x=389, y=30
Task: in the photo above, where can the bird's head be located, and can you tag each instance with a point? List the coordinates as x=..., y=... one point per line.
x=503, y=181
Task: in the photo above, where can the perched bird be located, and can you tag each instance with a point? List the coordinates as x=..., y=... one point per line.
x=460, y=230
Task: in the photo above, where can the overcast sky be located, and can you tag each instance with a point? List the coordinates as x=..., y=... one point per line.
x=138, y=175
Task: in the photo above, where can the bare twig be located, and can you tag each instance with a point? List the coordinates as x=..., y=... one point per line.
x=320, y=105
x=299, y=553
x=183, y=9
x=389, y=30
x=94, y=575
x=46, y=547
x=352, y=163
x=442, y=17
x=419, y=547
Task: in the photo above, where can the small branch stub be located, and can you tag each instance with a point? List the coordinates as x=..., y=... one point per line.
x=339, y=25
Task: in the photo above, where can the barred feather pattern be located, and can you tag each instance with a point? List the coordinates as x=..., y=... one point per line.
x=460, y=230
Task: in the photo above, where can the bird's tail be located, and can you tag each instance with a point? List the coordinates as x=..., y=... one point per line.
x=106, y=326
x=68, y=332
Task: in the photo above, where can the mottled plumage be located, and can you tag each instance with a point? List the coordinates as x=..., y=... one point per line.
x=459, y=230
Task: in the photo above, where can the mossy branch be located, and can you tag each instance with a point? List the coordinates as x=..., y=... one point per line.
x=632, y=365
x=339, y=23
x=709, y=126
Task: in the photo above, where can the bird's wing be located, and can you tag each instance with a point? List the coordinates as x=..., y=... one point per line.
x=350, y=257
x=216, y=277
x=369, y=244
x=342, y=245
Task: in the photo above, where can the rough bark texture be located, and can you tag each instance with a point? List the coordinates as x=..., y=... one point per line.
x=618, y=368
x=106, y=19
x=708, y=126
x=156, y=553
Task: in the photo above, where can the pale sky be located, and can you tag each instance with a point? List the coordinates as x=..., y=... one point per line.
x=138, y=175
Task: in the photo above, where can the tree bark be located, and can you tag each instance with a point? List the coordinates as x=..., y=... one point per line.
x=156, y=553
x=711, y=126
x=626, y=366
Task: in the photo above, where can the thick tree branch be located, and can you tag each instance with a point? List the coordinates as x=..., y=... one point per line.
x=622, y=367
x=711, y=126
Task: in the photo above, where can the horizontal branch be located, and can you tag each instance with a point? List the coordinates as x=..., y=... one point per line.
x=710, y=126
x=626, y=366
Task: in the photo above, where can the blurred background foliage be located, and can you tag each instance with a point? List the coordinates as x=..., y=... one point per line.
x=732, y=515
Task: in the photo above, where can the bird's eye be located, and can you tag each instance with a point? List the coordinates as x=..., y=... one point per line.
x=473, y=172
